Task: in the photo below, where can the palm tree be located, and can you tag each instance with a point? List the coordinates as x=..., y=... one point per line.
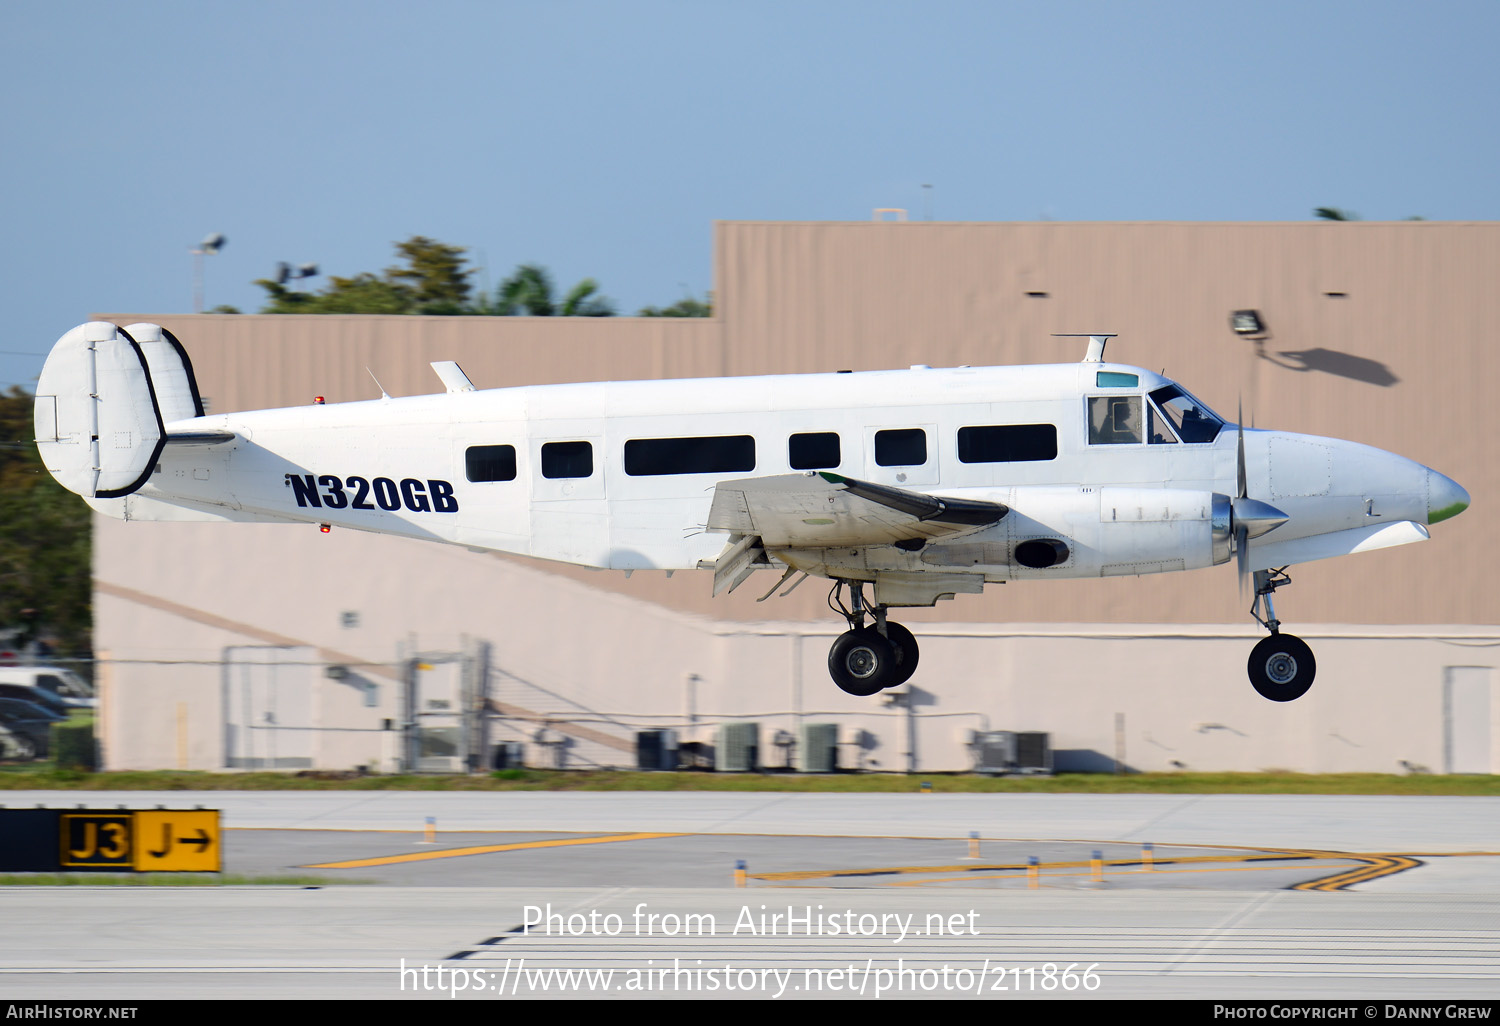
x=529, y=292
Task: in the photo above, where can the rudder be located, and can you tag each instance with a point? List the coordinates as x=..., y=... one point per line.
x=172, y=380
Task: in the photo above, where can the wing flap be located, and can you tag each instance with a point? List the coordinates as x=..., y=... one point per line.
x=820, y=509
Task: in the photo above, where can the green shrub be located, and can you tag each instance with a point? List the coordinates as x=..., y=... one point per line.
x=73, y=745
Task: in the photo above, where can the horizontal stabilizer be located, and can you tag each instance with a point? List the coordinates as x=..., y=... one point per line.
x=205, y=437
x=98, y=428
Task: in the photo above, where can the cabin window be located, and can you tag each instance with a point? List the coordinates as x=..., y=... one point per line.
x=490, y=462
x=1114, y=419
x=1116, y=379
x=1192, y=421
x=1007, y=443
x=718, y=454
x=567, y=459
x=813, y=450
x=903, y=447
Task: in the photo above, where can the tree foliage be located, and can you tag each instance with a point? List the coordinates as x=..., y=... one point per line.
x=434, y=275
x=688, y=307
x=434, y=280
x=529, y=292
x=46, y=538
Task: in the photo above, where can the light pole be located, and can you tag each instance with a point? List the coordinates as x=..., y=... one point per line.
x=210, y=245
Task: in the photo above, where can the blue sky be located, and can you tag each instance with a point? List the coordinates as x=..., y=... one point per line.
x=603, y=139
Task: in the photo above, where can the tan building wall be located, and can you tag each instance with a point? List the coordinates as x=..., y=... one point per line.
x=1378, y=333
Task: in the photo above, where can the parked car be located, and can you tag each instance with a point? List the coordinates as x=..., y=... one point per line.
x=72, y=689
x=30, y=721
x=15, y=746
x=37, y=696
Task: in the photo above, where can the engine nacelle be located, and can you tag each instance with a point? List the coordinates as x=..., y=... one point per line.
x=1084, y=531
x=1151, y=530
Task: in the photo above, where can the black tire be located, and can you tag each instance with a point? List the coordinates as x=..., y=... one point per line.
x=861, y=662
x=1282, y=668
x=907, y=653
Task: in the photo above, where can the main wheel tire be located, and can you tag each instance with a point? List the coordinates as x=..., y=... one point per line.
x=861, y=662
x=905, y=644
x=1282, y=668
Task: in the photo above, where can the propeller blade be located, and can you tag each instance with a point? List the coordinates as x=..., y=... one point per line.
x=1241, y=453
x=1242, y=556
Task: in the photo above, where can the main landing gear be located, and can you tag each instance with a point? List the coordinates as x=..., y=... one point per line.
x=866, y=659
x=1281, y=667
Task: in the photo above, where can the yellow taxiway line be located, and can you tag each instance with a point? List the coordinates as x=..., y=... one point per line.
x=485, y=849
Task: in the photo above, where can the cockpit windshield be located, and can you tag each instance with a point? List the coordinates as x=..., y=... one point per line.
x=1192, y=421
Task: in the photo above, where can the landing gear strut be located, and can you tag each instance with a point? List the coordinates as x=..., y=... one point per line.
x=1281, y=667
x=866, y=659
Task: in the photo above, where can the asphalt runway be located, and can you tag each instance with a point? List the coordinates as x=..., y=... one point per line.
x=541, y=894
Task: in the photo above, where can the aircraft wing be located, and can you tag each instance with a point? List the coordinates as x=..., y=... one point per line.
x=819, y=508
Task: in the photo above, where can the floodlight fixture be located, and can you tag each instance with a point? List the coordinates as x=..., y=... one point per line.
x=1247, y=324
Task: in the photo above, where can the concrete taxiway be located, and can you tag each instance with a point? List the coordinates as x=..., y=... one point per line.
x=540, y=894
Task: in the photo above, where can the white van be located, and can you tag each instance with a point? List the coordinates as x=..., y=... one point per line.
x=65, y=684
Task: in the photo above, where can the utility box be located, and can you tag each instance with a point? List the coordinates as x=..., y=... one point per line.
x=738, y=748
x=509, y=755
x=656, y=749
x=1012, y=751
x=818, y=748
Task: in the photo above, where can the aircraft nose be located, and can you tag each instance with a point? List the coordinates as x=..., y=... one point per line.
x=1445, y=497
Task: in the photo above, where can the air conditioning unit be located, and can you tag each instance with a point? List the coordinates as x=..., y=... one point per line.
x=738, y=748
x=1034, y=751
x=1011, y=751
x=818, y=749
x=656, y=749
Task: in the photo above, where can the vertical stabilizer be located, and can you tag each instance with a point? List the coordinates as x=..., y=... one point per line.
x=98, y=428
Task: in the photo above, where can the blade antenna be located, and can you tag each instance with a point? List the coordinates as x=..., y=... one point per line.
x=377, y=383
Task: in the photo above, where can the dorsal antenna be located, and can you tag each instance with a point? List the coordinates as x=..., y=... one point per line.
x=1095, y=353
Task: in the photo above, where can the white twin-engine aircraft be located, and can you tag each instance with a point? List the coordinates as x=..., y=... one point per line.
x=917, y=484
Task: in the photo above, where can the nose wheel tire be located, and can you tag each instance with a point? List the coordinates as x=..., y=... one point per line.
x=862, y=662
x=1282, y=668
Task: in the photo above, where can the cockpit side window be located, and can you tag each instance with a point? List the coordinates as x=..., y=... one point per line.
x=1192, y=421
x=1114, y=419
x=1157, y=431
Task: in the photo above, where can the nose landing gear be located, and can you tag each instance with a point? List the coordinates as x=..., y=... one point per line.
x=867, y=659
x=1281, y=667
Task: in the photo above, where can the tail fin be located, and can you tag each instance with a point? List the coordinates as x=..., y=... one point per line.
x=98, y=427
